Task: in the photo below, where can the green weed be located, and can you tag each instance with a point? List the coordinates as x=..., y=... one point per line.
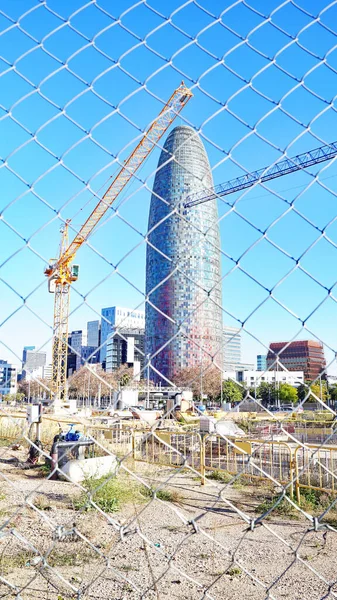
x=109, y=494
x=163, y=494
x=234, y=571
x=226, y=477
x=222, y=476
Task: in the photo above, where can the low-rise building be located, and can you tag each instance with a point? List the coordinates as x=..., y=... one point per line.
x=252, y=378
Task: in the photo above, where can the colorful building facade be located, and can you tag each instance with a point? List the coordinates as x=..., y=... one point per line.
x=183, y=320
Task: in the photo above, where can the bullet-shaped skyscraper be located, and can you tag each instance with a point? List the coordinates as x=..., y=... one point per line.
x=183, y=319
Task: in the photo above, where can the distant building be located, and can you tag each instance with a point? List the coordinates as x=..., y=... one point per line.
x=76, y=340
x=8, y=378
x=125, y=347
x=115, y=317
x=94, y=333
x=231, y=348
x=32, y=361
x=47, y=372
x=89, y=355
x=261, y=362
x=250, y=378
x=304, y=355
x=71, y=363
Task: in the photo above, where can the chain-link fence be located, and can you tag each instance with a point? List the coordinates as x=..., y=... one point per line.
x=186, y=472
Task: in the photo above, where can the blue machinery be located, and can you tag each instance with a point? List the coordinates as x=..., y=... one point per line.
x=284, y=167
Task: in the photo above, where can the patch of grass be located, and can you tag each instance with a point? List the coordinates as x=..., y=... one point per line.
x=234, y=571
x=45, y=469
x=42, y=503
x=225, y=477
x=127, y=568
x=203, y=556
x=163, y=494
x=222, y=476
x=312, y=501
x=109, y=494
x=71, y=559
x=168, y=495
x=283, y=508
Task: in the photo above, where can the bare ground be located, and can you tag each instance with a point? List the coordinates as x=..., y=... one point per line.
x=201, y=545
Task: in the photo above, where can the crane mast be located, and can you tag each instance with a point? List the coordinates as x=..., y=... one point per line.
x=61, y=273
x=283, y=167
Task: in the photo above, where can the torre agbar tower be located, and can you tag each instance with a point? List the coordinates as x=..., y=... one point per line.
x=183, y=271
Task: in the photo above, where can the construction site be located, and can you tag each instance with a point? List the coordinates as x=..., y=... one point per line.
x=184, y=157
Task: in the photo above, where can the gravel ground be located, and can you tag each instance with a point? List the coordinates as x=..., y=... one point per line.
x=193, y=548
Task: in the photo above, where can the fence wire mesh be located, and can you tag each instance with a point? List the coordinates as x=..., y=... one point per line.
x=153, y=505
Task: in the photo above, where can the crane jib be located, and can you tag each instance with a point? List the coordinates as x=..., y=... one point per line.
x=284, y=167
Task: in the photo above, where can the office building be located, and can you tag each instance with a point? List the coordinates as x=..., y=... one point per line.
x=125, y=347
x=252, y=378
x=115, y=317
x=47, y=372
x=261, y=362
x=183, y=268
x=94, y=333
x=76, y=340
x=88, y=354
x=71, y=363
x=32, y=361
x=8, y=378
x=303, y=355
x=231, y=348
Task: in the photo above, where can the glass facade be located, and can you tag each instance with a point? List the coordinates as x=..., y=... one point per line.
x=232, y=348
x=261, y=362
x=183, y=269
x=125, y=347
x=302, y=355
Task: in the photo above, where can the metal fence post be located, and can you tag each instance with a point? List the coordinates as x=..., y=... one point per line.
x=133, y=444
x=297, y=484
x=202, y=459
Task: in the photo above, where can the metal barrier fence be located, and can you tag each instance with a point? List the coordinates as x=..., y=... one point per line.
x=297, y=467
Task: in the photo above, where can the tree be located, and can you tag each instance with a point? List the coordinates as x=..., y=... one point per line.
x=320, y=390
x=88, y=382
x=303, y=391
x=206, y=377
x=287, y=394
x=231, y=392
x=333, y=392
x=266, y=392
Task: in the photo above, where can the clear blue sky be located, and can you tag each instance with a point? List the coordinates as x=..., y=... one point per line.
x=79, y=80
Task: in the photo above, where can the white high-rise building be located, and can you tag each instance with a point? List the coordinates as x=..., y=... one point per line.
x=231, y=348
x=115, y=317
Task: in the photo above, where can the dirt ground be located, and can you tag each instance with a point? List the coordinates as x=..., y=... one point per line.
x=199, y=544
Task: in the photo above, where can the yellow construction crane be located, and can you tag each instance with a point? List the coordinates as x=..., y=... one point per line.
x=61, y=273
